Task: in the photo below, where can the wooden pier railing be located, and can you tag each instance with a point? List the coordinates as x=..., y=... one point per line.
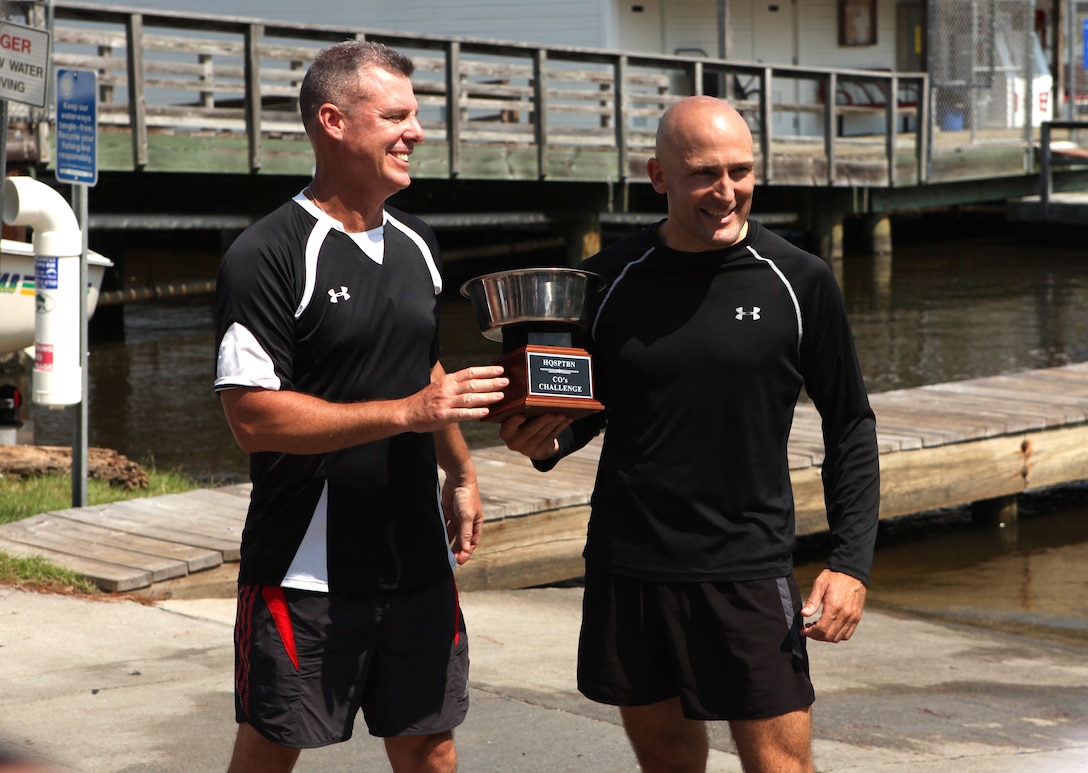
x=541, y=112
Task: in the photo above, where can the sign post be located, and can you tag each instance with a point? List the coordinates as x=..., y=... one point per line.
x=77, y=163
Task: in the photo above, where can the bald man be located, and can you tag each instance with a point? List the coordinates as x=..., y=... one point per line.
x=709, y=328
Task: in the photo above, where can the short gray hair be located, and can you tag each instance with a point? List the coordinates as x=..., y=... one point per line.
x=335, y=73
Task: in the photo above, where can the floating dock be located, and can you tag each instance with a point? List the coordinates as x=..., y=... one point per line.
x=982, y=440
x=1069, y=208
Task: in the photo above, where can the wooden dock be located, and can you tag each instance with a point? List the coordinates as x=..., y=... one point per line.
x=1050, y=207
x=1066, y=208
x=941, y=445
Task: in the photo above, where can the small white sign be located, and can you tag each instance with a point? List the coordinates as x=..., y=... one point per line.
x=24, y=63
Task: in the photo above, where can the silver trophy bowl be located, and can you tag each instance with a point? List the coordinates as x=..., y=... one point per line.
x=540, y=297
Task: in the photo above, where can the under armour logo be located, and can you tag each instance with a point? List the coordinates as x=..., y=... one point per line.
x=342, y=295
x=741, y=313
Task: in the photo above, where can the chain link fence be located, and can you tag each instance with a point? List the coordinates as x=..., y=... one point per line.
x=1075, y=108
x=991, y=87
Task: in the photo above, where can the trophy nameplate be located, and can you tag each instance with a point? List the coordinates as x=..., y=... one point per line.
x=536, y=313
x=546, y=379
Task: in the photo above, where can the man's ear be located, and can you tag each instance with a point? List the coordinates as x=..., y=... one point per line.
x=331, y=120
x=657, y=175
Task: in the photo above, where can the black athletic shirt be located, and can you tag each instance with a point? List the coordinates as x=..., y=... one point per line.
x=700, y=359
x=301, y=305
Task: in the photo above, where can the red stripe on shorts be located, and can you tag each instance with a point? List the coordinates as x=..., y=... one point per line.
x=277, y=605
x=456, y=614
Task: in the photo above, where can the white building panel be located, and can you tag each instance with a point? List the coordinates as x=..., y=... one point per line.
x=691, y=26
x=556, y=22
x=818, y=44
x=550, y=22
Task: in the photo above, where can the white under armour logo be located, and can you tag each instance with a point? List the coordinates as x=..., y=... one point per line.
x=342, y=295
x=741, y=313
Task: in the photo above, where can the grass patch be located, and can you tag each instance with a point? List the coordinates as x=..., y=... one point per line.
x=22, y=498
x=39, y=574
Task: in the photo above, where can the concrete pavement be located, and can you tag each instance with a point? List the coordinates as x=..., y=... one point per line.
x=120, y=686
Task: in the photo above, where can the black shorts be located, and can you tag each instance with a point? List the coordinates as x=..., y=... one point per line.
x=728, y=650
x=306, y=663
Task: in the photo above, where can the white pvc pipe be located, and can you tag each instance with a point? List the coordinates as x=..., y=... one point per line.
x=58, y=246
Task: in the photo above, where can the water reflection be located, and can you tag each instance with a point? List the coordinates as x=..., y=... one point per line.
x=150, y=396
x=1029, y=576
x=957, y=310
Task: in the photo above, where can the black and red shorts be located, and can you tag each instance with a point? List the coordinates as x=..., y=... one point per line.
x=728, y=650
x=306, y=663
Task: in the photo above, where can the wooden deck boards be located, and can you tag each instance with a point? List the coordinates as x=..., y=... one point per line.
x=940, y=445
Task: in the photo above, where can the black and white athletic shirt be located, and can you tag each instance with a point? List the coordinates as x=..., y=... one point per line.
x=301, y=305
x=700, y=359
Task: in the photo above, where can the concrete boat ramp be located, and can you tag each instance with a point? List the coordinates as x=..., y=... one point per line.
x=978, y=441
x=116, y=686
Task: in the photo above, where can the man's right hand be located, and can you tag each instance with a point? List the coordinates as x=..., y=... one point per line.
x=535, y=437
x=455, y=397
x=291, y=422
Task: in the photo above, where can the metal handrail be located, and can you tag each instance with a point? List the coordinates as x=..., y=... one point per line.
x=1046, y=181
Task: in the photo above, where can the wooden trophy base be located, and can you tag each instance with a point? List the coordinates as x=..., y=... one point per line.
x=546, y=379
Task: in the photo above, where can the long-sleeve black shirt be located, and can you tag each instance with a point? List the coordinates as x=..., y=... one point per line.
x=700, y=359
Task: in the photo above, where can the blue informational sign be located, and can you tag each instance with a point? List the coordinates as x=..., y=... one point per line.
x=1084, y=42
x=77, y=126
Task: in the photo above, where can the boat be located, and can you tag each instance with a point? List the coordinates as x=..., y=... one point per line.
x=17, y=292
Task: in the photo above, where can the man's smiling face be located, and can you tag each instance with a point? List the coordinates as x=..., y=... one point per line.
x=705, y=165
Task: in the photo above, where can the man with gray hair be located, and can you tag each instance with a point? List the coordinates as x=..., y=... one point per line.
x=328, y=371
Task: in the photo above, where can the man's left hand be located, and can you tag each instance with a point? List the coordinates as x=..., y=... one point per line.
x=843, y=598
x=464, y=518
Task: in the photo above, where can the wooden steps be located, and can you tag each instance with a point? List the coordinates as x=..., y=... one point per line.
x=940, y=445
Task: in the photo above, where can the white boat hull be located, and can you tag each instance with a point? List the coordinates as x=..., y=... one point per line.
x=17, y=292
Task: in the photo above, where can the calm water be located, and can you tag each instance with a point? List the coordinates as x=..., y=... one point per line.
x=929, y=314
x=932, y=313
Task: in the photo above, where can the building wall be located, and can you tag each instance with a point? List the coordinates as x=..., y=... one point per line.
x=663, y=26
x=691, y=24
x=555, y=22
x=819, y=41
x=803, y=32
